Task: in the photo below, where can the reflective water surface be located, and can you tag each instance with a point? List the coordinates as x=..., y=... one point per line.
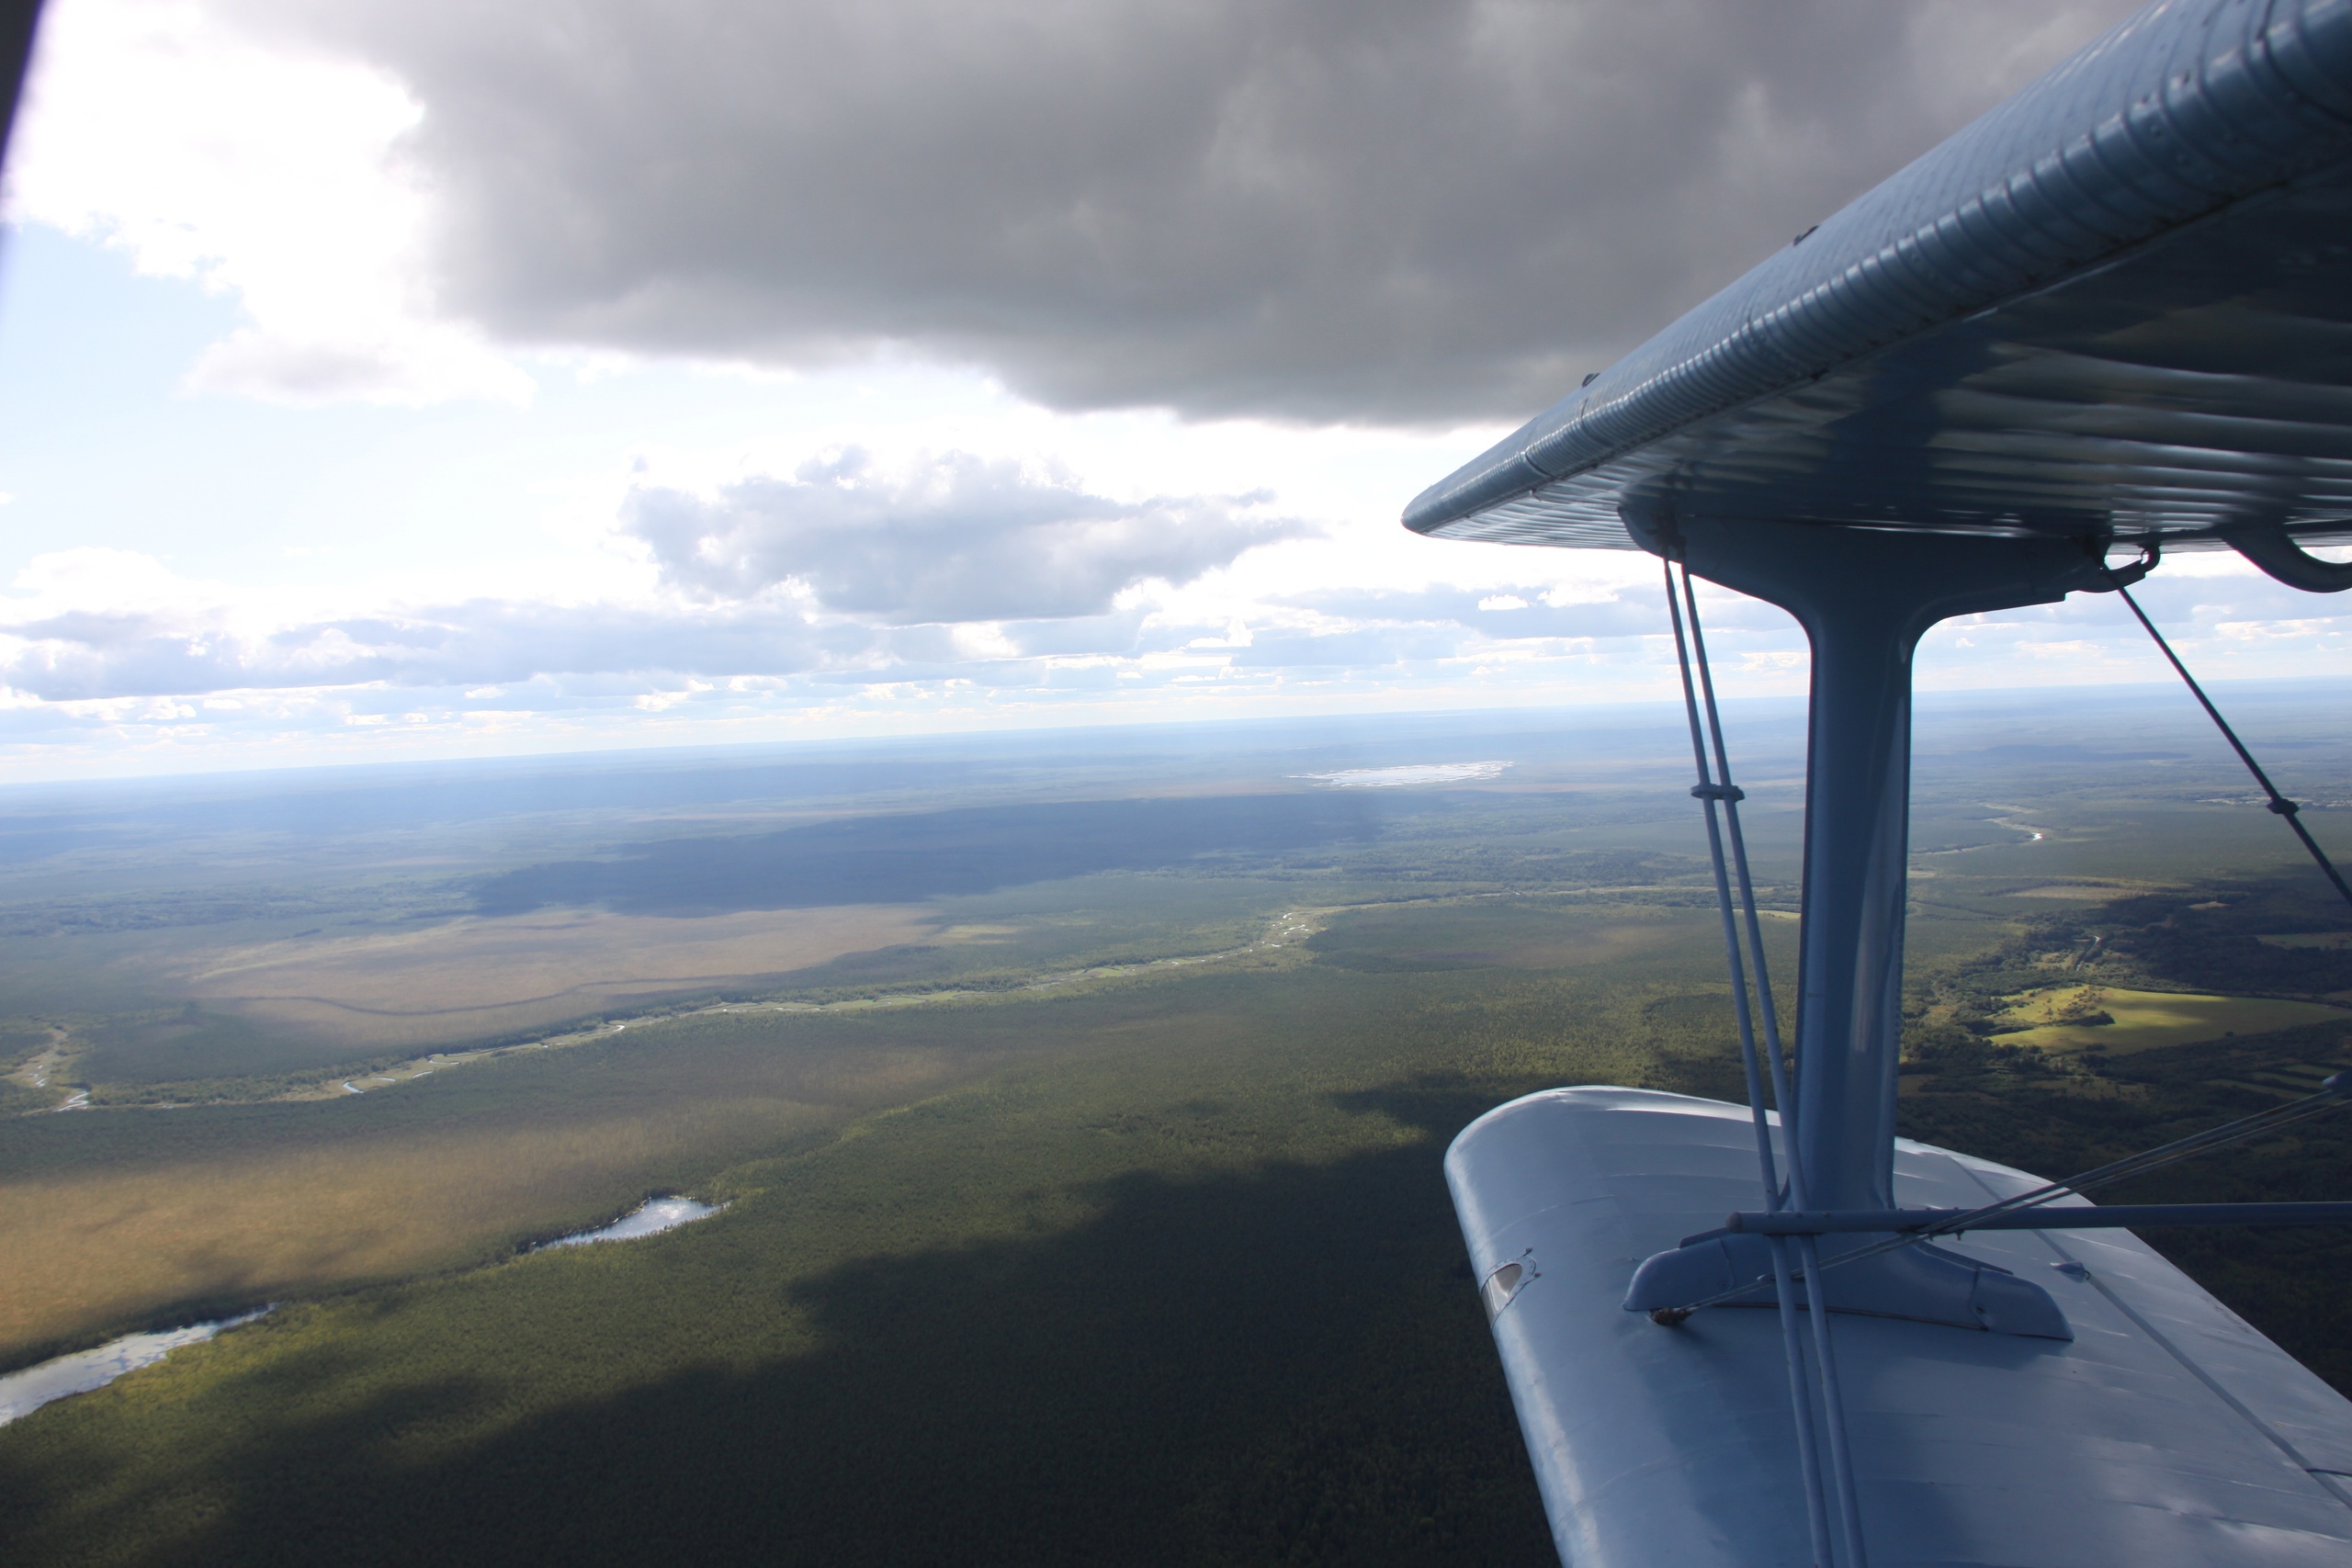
x=1411, y=774
x=25, y=1392
x=649, y=1218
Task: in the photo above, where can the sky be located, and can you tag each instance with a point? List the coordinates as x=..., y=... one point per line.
x=383, y=382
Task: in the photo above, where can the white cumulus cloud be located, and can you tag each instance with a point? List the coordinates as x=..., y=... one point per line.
x=947, y=536
x=272, y=175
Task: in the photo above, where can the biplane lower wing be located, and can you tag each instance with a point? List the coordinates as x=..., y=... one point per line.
x=2165, y=1431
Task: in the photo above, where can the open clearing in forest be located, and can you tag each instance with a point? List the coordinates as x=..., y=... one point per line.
x=1100, y=1239
x=476, y=976
x=1509, y=933
x=1084, y=1269
x=112, y=1219
x=2146, y=1020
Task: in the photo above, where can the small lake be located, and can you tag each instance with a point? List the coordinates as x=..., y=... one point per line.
x=1408, y=775
x=23, y=1393
x=649, y=1218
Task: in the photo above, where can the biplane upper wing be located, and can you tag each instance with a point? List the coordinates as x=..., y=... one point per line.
x=2116, y=303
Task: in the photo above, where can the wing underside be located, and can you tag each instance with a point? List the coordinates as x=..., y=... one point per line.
x=2117, y=305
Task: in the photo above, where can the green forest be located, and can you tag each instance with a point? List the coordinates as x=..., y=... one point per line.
x=1100, y=1221
x=1174, y=1280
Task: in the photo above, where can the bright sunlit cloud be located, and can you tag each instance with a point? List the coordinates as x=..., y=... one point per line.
x=271, y=177
x=416, y=380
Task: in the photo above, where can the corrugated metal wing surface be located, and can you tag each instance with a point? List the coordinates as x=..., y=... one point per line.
x=2119, y=301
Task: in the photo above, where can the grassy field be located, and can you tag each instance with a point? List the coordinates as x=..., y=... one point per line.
x=231, y=1012
x=1039, y=1249
x=136, y=1218
x=1182, y=1289
x=2147, y=1020
x=1168, y=1278
x=128, y=1218
x=462, y=979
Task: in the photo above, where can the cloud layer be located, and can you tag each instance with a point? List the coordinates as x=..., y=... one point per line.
x=1351, y=210
x=208, y=154
x=1359, y=210
x=93, y=630
x=947, y=537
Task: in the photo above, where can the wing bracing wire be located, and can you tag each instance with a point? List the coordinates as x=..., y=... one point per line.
x=1715, y=791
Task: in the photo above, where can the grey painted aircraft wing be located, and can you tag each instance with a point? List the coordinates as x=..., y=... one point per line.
x=2116, y=303
x=2117, y=306
x=2167, y=1433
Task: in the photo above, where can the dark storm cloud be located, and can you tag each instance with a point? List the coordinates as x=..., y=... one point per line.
x=950, y=537
x=1321, y=210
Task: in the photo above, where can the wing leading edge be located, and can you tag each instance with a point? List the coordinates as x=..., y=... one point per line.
x=2114, y=306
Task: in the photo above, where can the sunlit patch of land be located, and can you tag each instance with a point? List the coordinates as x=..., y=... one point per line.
x=2116, y=1020
x=1000, y=1243
x=111, y=1218
x=1124, y=1184
x=477, y=977
x=1290, y=929
x=240, y=1226
x=421, y=1165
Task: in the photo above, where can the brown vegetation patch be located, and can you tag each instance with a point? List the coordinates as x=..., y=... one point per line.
x=474, y=977
x=107, y=1249
x=115, y=1218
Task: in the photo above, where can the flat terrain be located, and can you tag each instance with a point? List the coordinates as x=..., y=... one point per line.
x=476, y=975
x=1129, y=1291
x=132, y=1217
x=2147, y=1020
x=1078, y=1102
